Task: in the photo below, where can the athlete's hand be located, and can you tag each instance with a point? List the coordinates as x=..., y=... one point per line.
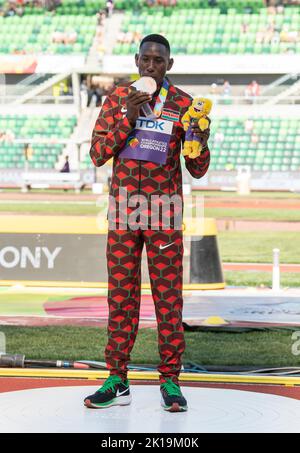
x=134, y=101
x=203, y=135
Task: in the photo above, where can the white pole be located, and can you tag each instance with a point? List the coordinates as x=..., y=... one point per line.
x=2, y=343
x=276, y=270
x=76, y=92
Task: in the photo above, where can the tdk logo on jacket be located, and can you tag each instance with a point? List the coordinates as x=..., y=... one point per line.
x=162, y=126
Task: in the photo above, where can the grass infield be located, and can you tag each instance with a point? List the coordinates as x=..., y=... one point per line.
x=209, y=193
x=289, y=215
x=257, y=246
x=271, y=348
x=260, y=279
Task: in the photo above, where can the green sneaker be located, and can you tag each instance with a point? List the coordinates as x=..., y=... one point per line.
x=172, y=399
x=114, y=392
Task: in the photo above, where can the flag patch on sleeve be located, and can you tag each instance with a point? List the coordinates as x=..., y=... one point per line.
x=170, y=115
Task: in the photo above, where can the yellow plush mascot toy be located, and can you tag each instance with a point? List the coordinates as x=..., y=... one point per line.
x=197, y=112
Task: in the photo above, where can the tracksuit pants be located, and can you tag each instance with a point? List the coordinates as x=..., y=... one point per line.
x=164, y=255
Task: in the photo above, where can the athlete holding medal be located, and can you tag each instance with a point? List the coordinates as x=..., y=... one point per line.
x=139, y=127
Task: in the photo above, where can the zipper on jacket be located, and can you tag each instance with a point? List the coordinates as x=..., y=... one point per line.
x=139, y=188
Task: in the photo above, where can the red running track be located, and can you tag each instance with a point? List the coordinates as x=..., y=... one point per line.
x=260, y=267
x=12, y=384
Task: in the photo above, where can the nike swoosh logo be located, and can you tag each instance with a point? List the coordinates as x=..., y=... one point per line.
x=123, y=110
x=121, y=393
x=165, y=246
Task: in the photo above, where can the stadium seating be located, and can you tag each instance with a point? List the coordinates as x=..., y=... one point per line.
x=90, y=7
x=277, y=147
x=208, y=31
x=44, y=156
x=215, y=30
x=224, y=5
x=83, y=7
x=32, y=34
x=272, y=145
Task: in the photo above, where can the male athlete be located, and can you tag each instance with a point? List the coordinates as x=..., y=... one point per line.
x=119, y=131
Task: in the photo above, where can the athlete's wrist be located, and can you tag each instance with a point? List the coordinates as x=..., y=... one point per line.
x=131, y=121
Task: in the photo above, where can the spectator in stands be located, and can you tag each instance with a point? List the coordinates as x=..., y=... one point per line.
x=131, y=37
x=276, y=35
x=100, y=50
x=95, y=93
x=137, y=36
x=125, y=38
x=70, y=37
x=28, y=152
x=229, y=166
x=100, y=33
x=219, y=137
x=226, y=91
x=121, y=38
x=269, y=33
x=266, y=34
x=255, y=88
x=51, y=4
x=213, y=88
x=244, y=28
x=57, y=36
x=254, y=138
x=64, y=37
x=107, y=88
x=226, y=88
x=213, y=92
x=66, y=167
x=275, y=6
x=166, y=3
x=62, y=89
x=12, y=7
x=287, y=35
x=249, y=124
x=9, y=10
x=101, y=18
x=7, y=136
x=109, y=8
x=55, y=92
x=84, y=93
x=252, y=91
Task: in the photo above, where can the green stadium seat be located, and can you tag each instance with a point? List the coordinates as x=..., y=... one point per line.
x=274, y=152
x=44, y=156
x=32, y=33
x=220, y=33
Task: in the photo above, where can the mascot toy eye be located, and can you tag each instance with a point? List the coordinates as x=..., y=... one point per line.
x=197, y=112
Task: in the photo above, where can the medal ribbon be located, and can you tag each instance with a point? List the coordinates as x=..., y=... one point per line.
x=161, y=98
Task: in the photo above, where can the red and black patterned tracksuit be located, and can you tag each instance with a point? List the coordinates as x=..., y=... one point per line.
x=124, y=246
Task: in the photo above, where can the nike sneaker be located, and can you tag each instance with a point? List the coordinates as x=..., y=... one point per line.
x=114, y=392
x=172, y=399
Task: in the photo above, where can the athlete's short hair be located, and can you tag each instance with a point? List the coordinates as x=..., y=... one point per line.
x=156, y=38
